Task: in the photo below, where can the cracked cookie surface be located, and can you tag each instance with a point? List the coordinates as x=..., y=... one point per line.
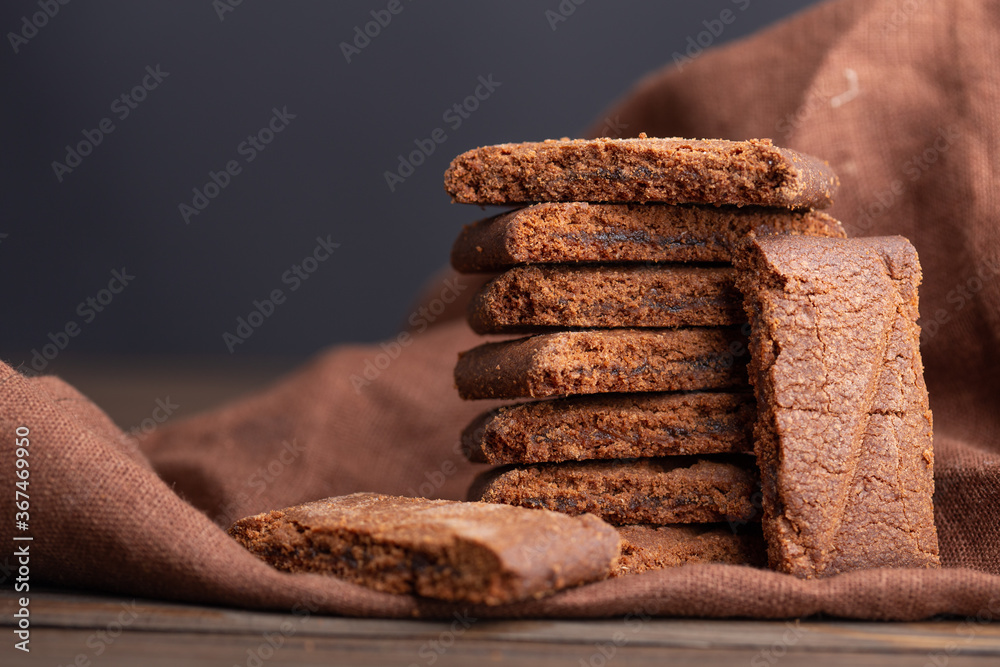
x=844, y=430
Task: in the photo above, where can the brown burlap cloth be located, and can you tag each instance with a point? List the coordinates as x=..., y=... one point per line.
x=901, y=97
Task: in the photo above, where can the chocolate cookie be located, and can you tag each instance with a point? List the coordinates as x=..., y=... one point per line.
x=647, y=547
x=473, y=552
x=673, y=489
x=614, y=426
x=592, y=362
x=843, y=436
x=580, y=232
x=671, y=171
x=527, y=298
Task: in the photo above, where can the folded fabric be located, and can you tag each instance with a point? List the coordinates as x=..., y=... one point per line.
x=905, y=114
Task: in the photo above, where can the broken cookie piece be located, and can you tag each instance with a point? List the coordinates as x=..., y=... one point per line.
x=471, y=552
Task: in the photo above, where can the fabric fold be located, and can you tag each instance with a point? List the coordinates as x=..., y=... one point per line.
x=899, y=97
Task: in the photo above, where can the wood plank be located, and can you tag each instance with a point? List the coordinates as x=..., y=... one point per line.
x=152, y=649
x=764, y=639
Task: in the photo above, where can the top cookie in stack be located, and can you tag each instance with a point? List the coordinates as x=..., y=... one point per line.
x=668, y=171
x=619, y=269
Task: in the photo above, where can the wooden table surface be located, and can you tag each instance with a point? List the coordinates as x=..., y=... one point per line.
x=75, y=628
x=69, y=628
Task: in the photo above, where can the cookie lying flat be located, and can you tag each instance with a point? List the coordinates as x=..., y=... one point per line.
x=671, y=171
x=615, y=426
x=647, y=547
x=673, y=489
x=473, y=552
x=581, y=232
x=843, y=435
x=592, y=362
x=526, y=298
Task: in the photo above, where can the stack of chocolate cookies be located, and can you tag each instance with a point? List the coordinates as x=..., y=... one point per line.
x=617, y=275
x=638, y=274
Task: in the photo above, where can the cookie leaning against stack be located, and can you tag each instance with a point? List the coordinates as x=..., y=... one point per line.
x=844, y=432
x=644, y=279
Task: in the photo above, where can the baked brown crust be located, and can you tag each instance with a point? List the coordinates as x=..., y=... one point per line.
x=590, y=362
x=581, y=232
x=844, y=431
x=646, y=547
x=614, y=426
x=668, y=170
x=530, y=298
x=673, y=489
x=472, y=552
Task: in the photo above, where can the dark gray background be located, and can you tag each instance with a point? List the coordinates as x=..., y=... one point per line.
x=322, y=176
